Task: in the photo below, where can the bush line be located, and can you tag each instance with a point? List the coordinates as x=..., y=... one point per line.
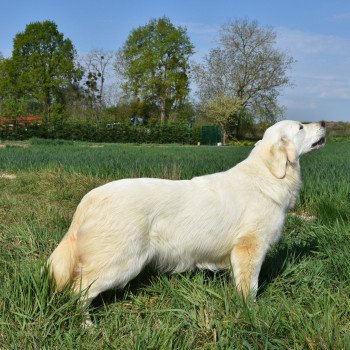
x=171, y=132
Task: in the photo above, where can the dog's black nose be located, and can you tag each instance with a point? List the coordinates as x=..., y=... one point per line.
x=323, y=124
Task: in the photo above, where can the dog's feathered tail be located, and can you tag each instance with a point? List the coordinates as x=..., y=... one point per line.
x=63, y=259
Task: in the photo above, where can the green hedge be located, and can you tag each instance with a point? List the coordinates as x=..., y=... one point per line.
x=67, y=129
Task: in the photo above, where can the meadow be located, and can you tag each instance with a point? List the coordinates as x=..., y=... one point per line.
x=303, y=300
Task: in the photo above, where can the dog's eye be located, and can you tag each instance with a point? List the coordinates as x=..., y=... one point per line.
x=301, y=127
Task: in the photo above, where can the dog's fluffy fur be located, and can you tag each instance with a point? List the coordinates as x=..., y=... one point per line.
x=211, y=221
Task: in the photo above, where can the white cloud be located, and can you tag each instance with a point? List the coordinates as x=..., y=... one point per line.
x=341, y=16
x=321, y=75
x=312, y=43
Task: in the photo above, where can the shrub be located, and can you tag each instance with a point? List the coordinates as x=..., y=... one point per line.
x=69, y=129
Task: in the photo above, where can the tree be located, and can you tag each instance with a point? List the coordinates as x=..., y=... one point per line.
x=41, y=67
x=246, y=65
x=223, y=111
x=11, y=102
x=97, y=66
x=154, y=65
x=2, y=78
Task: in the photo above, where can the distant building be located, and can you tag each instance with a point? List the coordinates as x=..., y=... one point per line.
x=11, y=123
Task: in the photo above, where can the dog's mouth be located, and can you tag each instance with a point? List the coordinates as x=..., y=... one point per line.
x=319, y=143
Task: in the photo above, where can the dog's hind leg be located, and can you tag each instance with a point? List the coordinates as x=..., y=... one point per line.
x=247, y=257
x=108, y=267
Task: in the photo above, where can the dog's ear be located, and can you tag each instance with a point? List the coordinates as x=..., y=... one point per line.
x=290, y=150
x=280, y=154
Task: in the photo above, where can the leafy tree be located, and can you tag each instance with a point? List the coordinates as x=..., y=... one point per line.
x=223, y=111
x=11, y=103
x=246, y=65
x=41, y=67
x=2, y=79
x=154, y=64
x=184, y=113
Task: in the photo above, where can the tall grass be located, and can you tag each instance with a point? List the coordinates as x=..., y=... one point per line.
x=303, y=301
x=119, y=161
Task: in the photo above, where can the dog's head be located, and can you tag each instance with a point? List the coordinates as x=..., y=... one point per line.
x=287, y=140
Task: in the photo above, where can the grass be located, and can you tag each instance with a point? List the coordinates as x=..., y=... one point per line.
x=303, y=301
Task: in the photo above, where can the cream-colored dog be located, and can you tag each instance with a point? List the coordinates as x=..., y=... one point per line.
x=207, y=222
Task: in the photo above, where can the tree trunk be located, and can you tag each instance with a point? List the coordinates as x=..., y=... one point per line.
x=224, y=136
x=47, y=103
x=162, y=111
x=238, y=128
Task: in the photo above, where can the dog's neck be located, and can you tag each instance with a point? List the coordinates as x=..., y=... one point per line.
x=283, y=191
x=292, y=181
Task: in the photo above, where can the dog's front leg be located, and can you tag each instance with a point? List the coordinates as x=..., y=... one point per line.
x=247, y=257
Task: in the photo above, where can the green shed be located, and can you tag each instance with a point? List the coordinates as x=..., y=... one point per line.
x=210, y=135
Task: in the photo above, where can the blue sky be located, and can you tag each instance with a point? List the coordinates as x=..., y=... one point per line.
x=315, y=33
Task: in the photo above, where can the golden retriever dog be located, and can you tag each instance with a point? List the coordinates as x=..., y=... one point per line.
x=212, y=221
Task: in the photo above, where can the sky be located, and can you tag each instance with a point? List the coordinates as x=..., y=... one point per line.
x=316, y=33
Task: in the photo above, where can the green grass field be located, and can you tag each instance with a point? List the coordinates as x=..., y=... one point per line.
x=303, y=301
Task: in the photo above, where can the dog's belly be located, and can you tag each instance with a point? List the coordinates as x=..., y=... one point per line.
x=180, y=260
x=177, y=247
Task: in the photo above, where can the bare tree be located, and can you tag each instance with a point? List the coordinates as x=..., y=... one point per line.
x=97, y=65
x=246, y=65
